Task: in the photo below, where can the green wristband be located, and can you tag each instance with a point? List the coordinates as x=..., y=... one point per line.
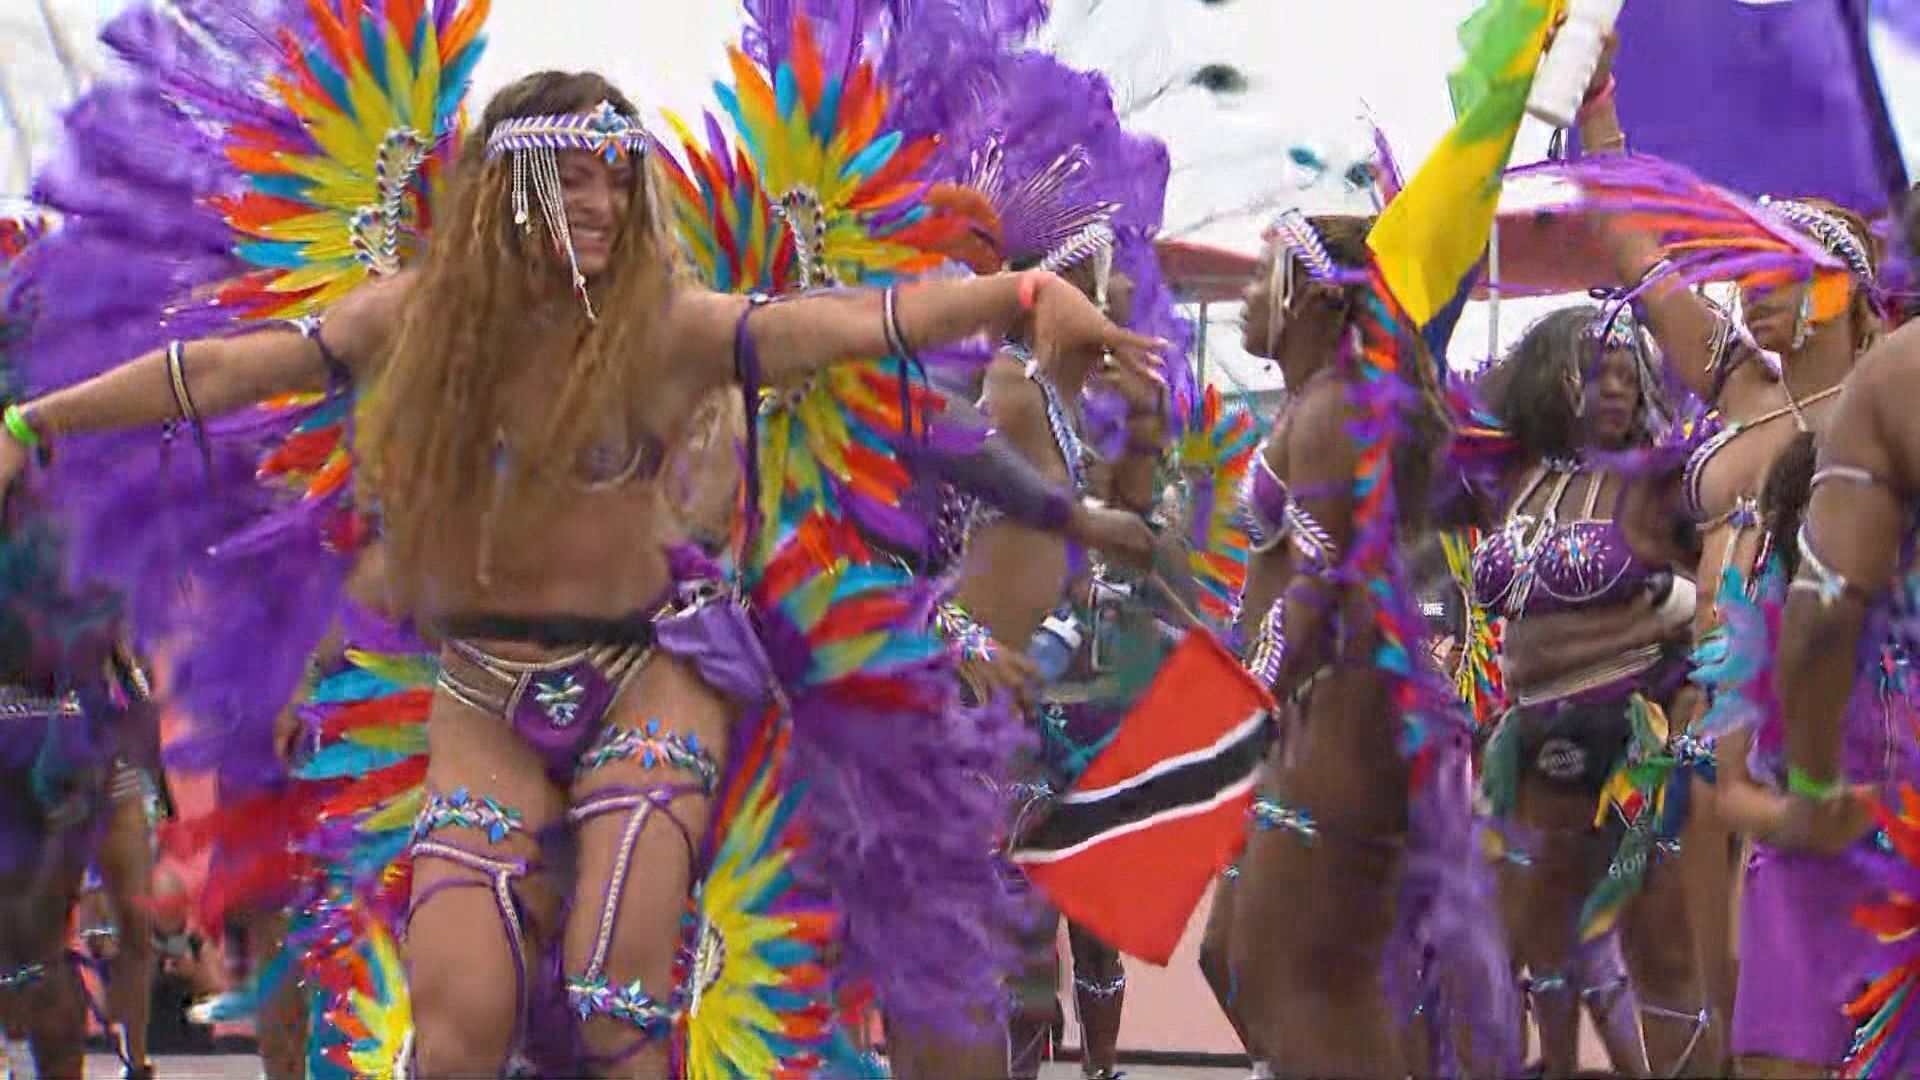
x=15, y=419
x=1799, y=783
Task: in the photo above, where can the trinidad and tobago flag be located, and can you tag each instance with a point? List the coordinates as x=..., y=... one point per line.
x=1170, y=794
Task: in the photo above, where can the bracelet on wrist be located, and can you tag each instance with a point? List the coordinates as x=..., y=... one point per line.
x=21, y=430
x=1599, y=96
x=1805, y=786
x=1030, y=282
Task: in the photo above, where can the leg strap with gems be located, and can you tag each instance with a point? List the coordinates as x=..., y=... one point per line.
x=497, y=875
x=590, y=993
x=1597, y=977
x=1699, y=1020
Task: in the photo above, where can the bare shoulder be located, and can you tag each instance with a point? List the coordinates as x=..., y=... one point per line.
x=1873, y=423
x=699, y=332
x=1317, y=430
x=1891, y=365
x=360, y=324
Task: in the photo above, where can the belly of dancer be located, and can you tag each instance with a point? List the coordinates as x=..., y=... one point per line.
x=1595, y=635
x=528, y=375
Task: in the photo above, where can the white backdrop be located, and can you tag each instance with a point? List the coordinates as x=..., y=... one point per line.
x=1313, y=67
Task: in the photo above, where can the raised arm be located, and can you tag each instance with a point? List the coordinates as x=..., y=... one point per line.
x=1681, y=320
x=203, y=379
x=1849, y=550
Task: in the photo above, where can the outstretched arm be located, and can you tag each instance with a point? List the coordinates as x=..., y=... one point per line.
x=801, y=335
x=209, y=378
x=1682, y=321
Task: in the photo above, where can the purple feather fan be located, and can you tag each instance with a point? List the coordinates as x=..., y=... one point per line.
x=938, y=56
x=923, y=906
x=139, y=252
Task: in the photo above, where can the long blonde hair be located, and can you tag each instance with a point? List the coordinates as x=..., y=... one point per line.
x=429, y=433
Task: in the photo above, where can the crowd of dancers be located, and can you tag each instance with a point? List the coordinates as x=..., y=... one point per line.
x=709, y=600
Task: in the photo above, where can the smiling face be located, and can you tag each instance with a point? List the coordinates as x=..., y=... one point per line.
x=598, y=197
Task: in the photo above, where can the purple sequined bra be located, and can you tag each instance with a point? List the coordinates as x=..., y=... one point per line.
x=1273, y=516
x=1536, y=565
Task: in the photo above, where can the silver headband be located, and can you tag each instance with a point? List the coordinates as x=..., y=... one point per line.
x=1829, y=229
x=535, y=143
x=1297, y=241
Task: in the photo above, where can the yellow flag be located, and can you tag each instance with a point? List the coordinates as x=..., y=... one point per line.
x=1433, y=234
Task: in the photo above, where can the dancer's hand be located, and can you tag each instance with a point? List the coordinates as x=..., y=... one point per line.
x=1065, y=323
x=1826, y=826
x=1121, y=535
x=1006, y=672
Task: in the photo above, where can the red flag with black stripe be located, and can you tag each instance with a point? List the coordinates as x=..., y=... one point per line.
x=1170, y=794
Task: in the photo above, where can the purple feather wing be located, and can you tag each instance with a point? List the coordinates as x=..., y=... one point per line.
x=136, y=262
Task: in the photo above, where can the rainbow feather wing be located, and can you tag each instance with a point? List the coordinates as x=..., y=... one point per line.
x=1883, y=1012
x=848, y=188
x=847, y=624
x=726, y=224
x=760, y=1002
x=1214, y=454
x=377, y=89
x=1478, y=681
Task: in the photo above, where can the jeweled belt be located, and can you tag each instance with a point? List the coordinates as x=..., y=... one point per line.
x=1627, y=665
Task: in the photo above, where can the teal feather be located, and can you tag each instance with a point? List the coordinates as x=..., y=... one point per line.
x=345, y=759
x=827, y=117
x=273, y=254
x=786, y=92
x=373, y=48
x=873, y=157
x=331, y=82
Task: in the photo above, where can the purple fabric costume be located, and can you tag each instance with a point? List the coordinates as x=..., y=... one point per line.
x=1801, y=956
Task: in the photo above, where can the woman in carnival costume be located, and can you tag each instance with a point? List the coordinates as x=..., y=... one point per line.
x=76, y=736
x=1347, y=830
x=1596, y=642
x=1043, y=206
x=1802, y=958
x=568, y=652
x=1769, y=372
x=1843, y=680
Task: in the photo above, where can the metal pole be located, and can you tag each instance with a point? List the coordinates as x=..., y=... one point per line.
x=1493, y=288
x=22, y=143
x=1200, y=346
x=62, y=48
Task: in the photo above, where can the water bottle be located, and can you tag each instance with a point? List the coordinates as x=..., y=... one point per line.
x=1054, y=644
x=1560, y=85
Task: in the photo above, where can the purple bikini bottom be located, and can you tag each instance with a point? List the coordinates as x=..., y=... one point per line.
x=559, y=708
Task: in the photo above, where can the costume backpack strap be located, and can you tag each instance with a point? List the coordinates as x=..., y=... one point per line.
x=747, y=372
